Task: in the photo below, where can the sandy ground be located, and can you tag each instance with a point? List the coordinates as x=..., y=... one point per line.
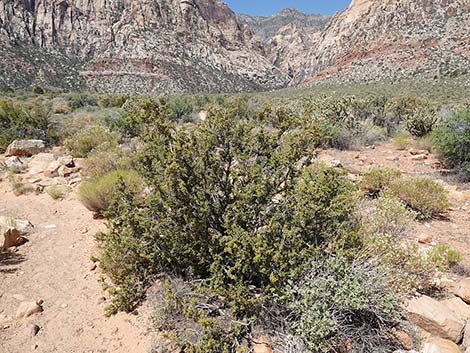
x=55, y=266
x=456, y=230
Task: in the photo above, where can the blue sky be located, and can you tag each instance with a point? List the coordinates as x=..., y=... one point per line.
x=268, y=7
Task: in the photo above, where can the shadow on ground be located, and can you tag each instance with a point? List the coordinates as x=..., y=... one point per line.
x=9, y=262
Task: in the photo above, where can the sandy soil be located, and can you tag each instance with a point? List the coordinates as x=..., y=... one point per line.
x=55, y=266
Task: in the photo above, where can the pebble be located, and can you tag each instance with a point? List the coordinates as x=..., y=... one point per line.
x=115, y=330
x=424, y=239
x=64, y=306
x=32, y=330
x=93, y=266
x=101, y=300
x=50, y=226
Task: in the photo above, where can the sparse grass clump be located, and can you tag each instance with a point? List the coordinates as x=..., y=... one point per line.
x=56, y=192
x=402, y=141
x=423, y=195
x=97, y=194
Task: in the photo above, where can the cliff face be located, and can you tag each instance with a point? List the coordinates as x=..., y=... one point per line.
x=394, y=39
x=157, y=45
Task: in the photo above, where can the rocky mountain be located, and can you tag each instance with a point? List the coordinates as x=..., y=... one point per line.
x=155, y=46
x=377, y=40
x=139, y=46
x=268, y=26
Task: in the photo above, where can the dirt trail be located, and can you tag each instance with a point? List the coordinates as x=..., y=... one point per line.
x=55, y=266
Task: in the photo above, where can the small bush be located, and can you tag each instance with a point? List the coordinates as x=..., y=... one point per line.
x=112, y=101
x=85, y=141
x=339, y=304
x=377, y=179
x=79, y=100
x=24, y=120
x=96, y=195
x=452, y=141
x=424, y=195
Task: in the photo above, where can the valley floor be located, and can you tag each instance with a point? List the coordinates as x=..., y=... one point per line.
x=55, y=265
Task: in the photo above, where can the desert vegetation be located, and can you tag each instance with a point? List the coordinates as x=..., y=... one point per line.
x=221, y=203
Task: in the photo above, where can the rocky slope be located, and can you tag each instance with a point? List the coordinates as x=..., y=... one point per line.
x=155, y=46
x=394, y=39
x=268, y=26
x=135, y=46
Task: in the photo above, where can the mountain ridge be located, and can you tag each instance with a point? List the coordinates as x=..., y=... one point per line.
x=169, y=46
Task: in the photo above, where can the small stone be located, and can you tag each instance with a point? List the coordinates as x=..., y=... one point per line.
x=32, y=330
x=93, y=266
x=424, y=239
x=462, y=290
x=64, y=306
x=34, y=347
x=419, y=157
x=50, y=226
x=101, y=300
x=115, y=330
x=415, y=152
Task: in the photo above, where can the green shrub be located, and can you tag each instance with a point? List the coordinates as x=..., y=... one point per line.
x=377, y=179
x=112, y=101
x=424, y=195
x=452, y=141
x=79, y=100
x=96, y=195
x=84, y=141
x=234, y=205
x=338, y=304
x=24, y=120
x=422, y=120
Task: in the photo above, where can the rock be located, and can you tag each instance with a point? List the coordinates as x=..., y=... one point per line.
x=466, y=336
x=32, y=330
x=458, y=306
x=65, y=171
x=66, y=161
x=436, y=318
x=52, y=170
x=93, y=266
x=415, y=152
x=424, y=239
x=27, y=309
x=11, y=237
x=419, y=157
x=101, y=300
x=25, y=148
x=40, y=162
x=438, y=345
x=23, y=226
x=462, y=290
x=16, y=164
x=405, y=341
x=262, y=345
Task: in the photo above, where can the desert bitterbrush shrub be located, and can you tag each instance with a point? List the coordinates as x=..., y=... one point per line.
x=423, y=195
x=377, y=179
